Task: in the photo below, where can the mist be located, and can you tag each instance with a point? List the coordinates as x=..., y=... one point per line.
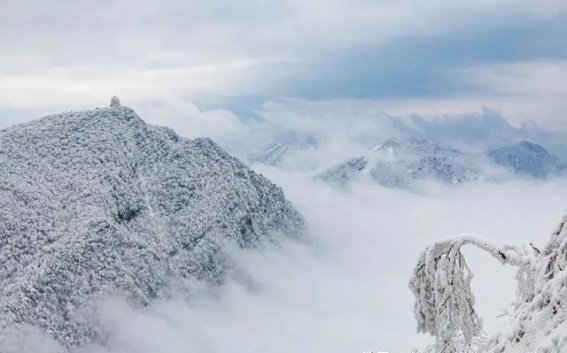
x=344, y=288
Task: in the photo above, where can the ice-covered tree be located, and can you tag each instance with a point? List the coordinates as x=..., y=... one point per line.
x=444, y=304
x=539, y=321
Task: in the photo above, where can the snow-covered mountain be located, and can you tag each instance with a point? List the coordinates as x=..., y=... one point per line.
x=526, y=158
x=395, y=164
x=98, y=202
x=275, y=152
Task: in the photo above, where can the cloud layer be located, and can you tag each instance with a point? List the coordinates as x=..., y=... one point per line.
x=68, y=54
x=342, y=129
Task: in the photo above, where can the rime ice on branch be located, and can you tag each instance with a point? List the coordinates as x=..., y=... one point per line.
x=444, y=304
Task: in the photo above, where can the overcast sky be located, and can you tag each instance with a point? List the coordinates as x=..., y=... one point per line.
x=406, y=56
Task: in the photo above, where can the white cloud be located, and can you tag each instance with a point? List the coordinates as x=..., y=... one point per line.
x=521, y=91
x=62, y=53
x=189, y=121
x=525, y=90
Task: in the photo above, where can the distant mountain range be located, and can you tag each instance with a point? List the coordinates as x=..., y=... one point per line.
x=394, y=164
x=275, y=152
x=526, y=158
x=399, y=164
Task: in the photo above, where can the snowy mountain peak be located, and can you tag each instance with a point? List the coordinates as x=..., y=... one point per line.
x=395, y=164
x=531, y=146
x=388, y=149
x=526, y=158
x=98, y=202
x=389, y=143
x=276, y=152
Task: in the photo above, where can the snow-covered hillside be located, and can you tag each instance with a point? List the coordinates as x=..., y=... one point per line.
x=526, y=158
x=276, y=152
x=395, y=164
x=99, y=202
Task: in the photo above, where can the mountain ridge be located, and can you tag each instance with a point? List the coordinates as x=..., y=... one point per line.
x=395, y=164
x=526, y=158
x=98, y=201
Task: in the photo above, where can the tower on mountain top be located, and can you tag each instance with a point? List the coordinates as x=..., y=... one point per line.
x=114, y=101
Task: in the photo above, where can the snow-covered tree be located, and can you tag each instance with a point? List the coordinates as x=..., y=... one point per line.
x=444, y=304
x=539, y=322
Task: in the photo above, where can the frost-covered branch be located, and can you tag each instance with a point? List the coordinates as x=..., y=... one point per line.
x=441, y=284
